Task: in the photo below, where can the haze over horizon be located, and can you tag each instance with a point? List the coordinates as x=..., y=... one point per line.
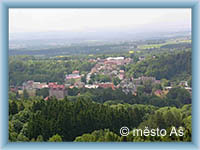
x=39, y=23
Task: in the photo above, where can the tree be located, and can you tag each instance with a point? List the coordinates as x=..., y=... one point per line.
x=98, y=136
x=116, y=81
x=21, y=107
x=165, y=82
x=25, y=94
x=12, y=95
x=21, y=137
x=55, y=138
x=83, y=79
x=148, y=85
x=13, y=108
x=180, y=94
x=40, y=138
x=190, y=81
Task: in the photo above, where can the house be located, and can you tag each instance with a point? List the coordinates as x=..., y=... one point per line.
x=79, y=85
x=75, y=77
x=58, y=91
x=94, y=86
x=107, y=85
x=114, y=61
x=33, y=85
x=143, y=79
x=128, y=86
x=13, y=89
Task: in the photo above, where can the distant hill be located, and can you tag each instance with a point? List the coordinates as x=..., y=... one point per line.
x=58, y=43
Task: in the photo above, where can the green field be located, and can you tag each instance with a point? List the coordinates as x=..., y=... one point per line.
x=148, y=46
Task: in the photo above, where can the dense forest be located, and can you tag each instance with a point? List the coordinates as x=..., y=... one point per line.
x=40, y=120
x=168, y=66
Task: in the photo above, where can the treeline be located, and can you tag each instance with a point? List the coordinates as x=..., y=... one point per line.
x=178, y=45
x=166, y=66
x=176, y=97
x=65, y=120
x=75, y=50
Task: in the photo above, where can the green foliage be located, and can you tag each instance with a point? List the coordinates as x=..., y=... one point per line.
x=163, y=118
x=40, y=138
x=12, y=95
x=70, y=119
x=73, y=118
x=98, y=136
x=51, y=70
x=55, y=138
x=100, y=78
x=166, y=66
x=22, y=138
x=25, y=95
x=116, y=81
x=13, y=108
x=179, y=95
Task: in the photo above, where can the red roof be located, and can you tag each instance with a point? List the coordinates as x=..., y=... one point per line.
x=57, y=86
x=107, y=85
x=47, y=98
x=52, y=84
x=158, y=92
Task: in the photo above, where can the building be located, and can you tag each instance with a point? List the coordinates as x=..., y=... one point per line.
x=91, y=86
x=72, y=77
x=79, y=85
x=57, y=91
x=114, y=61
x=107, y=85
x=128, y=86
x=31, y=87
x=143, y=78
x=161, y=93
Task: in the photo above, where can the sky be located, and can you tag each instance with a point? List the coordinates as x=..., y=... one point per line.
x=84, y=20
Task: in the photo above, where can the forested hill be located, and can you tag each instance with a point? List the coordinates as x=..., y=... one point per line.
x=168, y=66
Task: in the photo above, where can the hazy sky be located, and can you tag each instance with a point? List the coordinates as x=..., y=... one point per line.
x=42, y=20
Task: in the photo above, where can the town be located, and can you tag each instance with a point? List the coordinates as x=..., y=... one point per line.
x=106, y=73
